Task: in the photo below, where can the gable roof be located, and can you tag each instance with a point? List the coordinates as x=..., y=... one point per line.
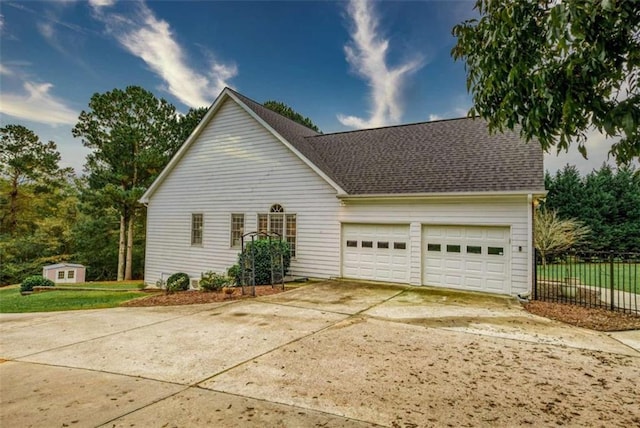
x=446, y=156
x=456, y=156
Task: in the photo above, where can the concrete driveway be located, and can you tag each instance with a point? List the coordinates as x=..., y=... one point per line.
x=328, y=354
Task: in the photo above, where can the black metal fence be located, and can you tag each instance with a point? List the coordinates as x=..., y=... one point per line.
x=592, y=279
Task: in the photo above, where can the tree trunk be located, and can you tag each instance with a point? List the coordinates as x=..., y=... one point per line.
x=128, y=268
x=13, y=206
x=121, y=248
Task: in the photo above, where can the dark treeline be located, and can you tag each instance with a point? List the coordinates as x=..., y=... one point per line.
x=607, y=200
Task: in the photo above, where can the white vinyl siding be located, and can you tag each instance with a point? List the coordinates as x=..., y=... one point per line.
x=237, y=166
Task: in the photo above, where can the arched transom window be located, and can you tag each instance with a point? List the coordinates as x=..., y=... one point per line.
x=280, y=222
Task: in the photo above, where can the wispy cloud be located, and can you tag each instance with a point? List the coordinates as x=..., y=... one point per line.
x=152, y=40
x=36, y=104
x=366, y=53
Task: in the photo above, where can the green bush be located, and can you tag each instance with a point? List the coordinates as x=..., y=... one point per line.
x=212, y=281
x=263, y=249
x=234, y=273
x=178, y=282
x=35, y=281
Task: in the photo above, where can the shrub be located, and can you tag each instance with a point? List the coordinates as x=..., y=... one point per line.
x=178, y=282
x=211, y=281
x=35, y=281
x=263, y=249
x=234, y=273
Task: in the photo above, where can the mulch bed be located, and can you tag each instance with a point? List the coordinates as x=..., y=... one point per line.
x=196, y=296
x=593, y=318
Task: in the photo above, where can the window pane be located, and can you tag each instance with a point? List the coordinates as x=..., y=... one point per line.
x=237, y=229
x=70, y=274
x=474, y=249
x=383, y=245
x=453, y=248
x=292, y=231
x=196, y=229
x=433, y=247
x=262, y=223
x=495, y=251
x=400, y=245
x=276, y=224
x=367, y=244
x=353, y=244
x=61, y=274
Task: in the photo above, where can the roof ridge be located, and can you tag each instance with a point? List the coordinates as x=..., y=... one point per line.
x=400, y=125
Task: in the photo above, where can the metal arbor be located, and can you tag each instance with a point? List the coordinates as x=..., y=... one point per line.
x=247, y=260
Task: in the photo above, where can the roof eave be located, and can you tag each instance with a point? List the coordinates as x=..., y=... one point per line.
x=442, y=195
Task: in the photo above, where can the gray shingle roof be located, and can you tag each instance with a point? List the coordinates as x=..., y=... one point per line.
x=447, y=156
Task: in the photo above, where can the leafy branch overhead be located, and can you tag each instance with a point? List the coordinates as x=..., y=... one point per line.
x=287, y=111
x=556, y=70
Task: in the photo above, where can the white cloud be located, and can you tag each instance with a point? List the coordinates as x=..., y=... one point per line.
x=5, y=71
x=433, y=117
x=38, y=105
x=101, y=3
x=366, y=54
x=152, y=40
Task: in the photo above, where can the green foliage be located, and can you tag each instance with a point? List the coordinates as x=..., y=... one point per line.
x=35, y=281
x=25, y=161
x=556, y=70
x=286, y=111
x=263, y=250
x=178, y=282
x=235, y=273
x=607, y=201
x=133, y=135
x=12, y=302
x=212, y=281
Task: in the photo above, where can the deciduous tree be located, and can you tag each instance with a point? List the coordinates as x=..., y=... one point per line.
x=556, y=70
x=554, y=234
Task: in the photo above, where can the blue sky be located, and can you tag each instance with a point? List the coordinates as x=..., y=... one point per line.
x=346, y=65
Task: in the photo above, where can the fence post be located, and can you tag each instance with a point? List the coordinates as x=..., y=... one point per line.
x=611, y=281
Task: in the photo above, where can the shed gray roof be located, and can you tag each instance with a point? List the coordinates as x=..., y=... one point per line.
x=446, y=156
x=63, y=265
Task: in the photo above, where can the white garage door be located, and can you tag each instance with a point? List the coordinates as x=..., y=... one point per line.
x=376, y=252
x=467, y=257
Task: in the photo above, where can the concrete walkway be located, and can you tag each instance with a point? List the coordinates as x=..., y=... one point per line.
x=327, y=354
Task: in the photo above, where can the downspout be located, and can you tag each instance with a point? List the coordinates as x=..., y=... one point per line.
x=531, y=252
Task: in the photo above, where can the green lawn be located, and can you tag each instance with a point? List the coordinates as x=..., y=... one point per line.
x=111, y=285
x=11, y=301
x=626, y=276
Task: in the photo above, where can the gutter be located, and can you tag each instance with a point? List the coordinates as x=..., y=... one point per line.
x=439, y=195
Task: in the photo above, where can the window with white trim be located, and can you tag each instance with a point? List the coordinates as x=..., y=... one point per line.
x=237, y=229
x=197, y=223
x=282, y=223
x=70, y=274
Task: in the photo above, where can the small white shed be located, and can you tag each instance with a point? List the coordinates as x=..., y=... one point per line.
x=64, y=273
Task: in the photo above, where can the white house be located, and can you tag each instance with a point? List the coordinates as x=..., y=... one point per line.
x=440, y=203
x=64, y=273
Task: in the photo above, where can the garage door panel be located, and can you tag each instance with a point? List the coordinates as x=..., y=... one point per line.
x=470, y=257
x=376, y=257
